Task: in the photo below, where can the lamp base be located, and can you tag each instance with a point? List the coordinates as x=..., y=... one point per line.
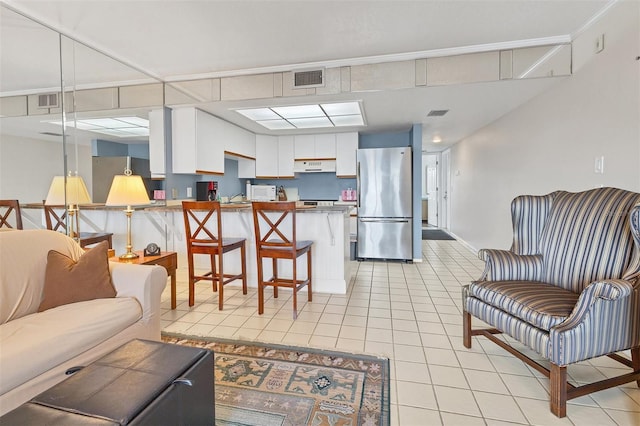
x=129, y=256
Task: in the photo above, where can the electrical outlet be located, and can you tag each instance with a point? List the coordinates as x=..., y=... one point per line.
x=598, y=165
x=189, y=193
x=600, y=43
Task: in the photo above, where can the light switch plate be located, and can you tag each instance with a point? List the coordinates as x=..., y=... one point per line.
x=598, y=165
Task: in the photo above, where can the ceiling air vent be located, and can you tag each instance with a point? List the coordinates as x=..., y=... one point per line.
x=304, y=79
x=437, y=112
x=49, y=100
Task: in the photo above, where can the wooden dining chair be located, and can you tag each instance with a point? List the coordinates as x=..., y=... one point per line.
x=7, y=207
x=275, y=230
x=203, y=226
x=56, y=219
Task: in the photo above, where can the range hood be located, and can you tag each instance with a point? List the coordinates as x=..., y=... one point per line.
x=314, y=166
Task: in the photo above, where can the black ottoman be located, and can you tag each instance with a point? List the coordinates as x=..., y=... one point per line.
x=140, y=383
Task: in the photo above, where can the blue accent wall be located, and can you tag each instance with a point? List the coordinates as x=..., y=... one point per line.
x=385, y=140
x=104, y=148
x=313, y=186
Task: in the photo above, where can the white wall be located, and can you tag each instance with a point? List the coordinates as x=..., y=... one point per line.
x=550, y=143
x=27, y=167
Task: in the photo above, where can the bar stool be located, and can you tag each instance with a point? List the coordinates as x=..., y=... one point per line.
x=6, y=208
x=203, y=226
x=276, y=239
x=55, y=218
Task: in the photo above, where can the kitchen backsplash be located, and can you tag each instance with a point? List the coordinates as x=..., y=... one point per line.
x=313, y=186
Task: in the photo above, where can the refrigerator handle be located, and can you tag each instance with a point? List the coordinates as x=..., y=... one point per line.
x=358, y=195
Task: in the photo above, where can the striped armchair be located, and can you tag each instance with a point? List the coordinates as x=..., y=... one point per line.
x=568, y=288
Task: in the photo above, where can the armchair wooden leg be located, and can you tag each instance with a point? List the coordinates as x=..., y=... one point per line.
x=466, y=329
x=635, y=362
x=558, y=389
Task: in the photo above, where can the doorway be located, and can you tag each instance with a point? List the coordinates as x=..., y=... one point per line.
x=430, y=190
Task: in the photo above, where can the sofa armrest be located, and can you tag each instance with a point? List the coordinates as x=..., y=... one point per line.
x=143, y=282
x=503, y=265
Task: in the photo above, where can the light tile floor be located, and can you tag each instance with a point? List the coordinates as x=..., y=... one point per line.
x=410, y=313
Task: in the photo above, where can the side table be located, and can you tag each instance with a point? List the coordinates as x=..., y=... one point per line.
x=167, y=259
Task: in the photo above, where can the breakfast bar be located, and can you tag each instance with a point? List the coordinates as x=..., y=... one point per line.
x=326, y=226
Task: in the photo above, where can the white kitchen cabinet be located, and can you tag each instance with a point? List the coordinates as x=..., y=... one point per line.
x=346, y=148
x=274, y=156
x=285, y=156
x=325, y=145
x=238, y=141
x=266, y=156
x=311, y=147
x=197, y=147
x=157, y=144
x=246, y=168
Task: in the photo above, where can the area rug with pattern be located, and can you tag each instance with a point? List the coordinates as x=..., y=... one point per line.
x=268, y=384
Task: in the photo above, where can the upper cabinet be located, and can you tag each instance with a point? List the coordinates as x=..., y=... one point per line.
x=200, y=142
x=315, y=147
x=346, y=148
x=197, y=147
x=157, y=144
x=274, y=156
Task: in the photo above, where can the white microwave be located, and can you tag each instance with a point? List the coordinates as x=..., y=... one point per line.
x=263, y=193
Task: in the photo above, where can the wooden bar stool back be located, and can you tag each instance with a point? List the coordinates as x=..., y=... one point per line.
x=56, y=219
x=7, y=207
x=275, y=230
x=203, y=226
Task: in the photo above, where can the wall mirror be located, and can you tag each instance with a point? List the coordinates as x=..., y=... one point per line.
x=106, y=110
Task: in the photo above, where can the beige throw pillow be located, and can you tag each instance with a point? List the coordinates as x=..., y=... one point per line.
x=67, y=281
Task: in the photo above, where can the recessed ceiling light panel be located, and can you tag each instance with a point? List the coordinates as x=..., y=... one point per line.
x=256, y=114
x=276, y=124
x=299, y=111
x=307, y=116
x=342, y=108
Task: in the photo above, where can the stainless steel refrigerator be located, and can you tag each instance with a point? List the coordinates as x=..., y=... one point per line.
x=385, y=203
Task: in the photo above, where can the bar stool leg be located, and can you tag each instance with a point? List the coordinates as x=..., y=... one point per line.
x=243, y=262
x=260, y=287
x=214, y=285
x=191, y=280
x=275, y=277
x=309, y=295
x=295, y=288
x=220, y=278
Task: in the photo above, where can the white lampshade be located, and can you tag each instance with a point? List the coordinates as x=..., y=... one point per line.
x=76, y=191
x=127, y=191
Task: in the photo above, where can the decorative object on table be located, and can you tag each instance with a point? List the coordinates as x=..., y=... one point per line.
x=260, y=383
x=6, y=208
x=567, y=288
x=128, y=190
x=282, y=195
x=152, y=249
x=76, y=193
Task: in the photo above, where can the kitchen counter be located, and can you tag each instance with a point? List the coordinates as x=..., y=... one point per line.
x=326, y=226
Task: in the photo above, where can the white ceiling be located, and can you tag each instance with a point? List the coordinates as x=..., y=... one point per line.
x=178, y=40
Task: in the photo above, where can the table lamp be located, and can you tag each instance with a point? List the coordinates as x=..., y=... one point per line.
x=129, y=190
x=75, y=195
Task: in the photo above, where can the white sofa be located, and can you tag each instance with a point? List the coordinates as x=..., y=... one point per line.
x=37, y=348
